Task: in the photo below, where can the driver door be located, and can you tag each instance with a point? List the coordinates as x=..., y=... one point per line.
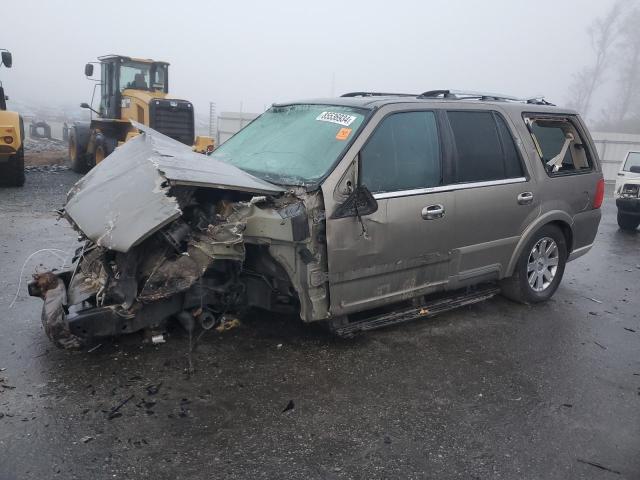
x=401, y=250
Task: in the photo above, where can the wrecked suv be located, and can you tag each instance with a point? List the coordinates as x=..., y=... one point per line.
x=358, y=212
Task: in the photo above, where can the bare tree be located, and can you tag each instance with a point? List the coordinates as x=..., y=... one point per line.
x=603, y=33
x=627, y=95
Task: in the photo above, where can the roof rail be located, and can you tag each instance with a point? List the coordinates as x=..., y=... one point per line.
x=377, y=94
x=461, y=94
x=539, y=101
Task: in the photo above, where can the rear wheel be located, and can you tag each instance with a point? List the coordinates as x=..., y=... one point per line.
x=99, y=154
x=628, y=222
x=12, y=172
x=103, y=147
x=539, y=269
x=76, y=156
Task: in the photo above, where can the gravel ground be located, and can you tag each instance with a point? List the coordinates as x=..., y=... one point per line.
x=493, y=391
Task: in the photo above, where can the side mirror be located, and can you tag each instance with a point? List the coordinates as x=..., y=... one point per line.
x=88, y=69
x=85, y=105
x=635, y=169
x=7, y=59
x=358, y=204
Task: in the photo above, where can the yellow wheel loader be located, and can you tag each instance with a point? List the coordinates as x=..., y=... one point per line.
x=11, y=137
x=130, y=89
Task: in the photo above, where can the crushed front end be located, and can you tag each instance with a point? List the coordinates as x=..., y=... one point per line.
x=169, y=233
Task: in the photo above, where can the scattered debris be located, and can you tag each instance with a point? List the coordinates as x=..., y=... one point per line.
x=94, y=348
x=157, y=339
x=568, y=405
x=597, y=465
x=630, y=330
x=86, y=439
x=115, y=411
x=227, y=323
x=600, y=345
x=593, y=299
x=153, y=389
x=46, y=168
x=290, y=406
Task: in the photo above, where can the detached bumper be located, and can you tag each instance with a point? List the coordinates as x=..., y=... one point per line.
x=628, y=206
x=52, y=289
x=71, y=326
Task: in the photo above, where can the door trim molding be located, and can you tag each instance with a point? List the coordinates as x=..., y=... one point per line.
x=448, y=188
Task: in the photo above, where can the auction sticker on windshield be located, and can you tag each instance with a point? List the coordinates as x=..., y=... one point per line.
x=335, y=117
x=343, y=134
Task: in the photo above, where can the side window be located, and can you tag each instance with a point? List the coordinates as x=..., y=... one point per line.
x=633, y=160
x=403, y=153
x=512, y=161
x=559, y=145
x=485, y=147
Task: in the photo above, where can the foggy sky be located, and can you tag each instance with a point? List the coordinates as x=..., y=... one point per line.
x=254, y=53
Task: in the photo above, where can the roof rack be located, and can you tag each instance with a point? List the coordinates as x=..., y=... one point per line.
x=377, y=94
x=461, y=95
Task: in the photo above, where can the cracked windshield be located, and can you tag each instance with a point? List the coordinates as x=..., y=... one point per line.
x=293, y=144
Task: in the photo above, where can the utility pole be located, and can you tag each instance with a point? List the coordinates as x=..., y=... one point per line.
x=212, y=122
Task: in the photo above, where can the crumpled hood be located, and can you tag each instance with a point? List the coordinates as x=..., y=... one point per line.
x=124, y=199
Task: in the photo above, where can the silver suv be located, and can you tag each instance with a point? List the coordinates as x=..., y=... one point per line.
x=359, y=211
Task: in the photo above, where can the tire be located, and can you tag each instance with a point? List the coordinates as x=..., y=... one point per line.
x=12, y=172
x=76, y=154
x=529, y=282
x=628, y=222
x=104, y=147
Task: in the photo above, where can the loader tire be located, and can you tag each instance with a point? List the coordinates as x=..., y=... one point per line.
x=76, y=156
x=12, y=172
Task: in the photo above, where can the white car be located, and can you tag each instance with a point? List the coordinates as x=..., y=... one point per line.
x=627, y=192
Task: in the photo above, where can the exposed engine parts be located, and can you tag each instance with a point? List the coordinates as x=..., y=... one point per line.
x=194, y=253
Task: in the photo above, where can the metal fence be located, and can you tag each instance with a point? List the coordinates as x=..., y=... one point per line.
x=612, y=150
x=231, y=122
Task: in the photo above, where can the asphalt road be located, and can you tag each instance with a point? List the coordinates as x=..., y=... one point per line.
x=493, y=391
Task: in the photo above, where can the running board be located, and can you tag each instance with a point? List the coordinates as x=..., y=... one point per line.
x=427, y=310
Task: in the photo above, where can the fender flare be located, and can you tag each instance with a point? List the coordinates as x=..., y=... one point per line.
x=557, y=216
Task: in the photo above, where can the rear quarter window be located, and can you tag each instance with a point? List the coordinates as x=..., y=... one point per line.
x=559, y=145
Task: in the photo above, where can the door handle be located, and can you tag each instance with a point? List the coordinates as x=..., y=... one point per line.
x=525, y=198
x=433, y=212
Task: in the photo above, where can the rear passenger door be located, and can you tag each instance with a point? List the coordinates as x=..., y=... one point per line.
x=494, y=195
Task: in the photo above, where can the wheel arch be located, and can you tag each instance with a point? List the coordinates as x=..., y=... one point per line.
x=558, y=218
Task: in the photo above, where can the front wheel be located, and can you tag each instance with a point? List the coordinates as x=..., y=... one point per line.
x=539, y=269
x=628, y=222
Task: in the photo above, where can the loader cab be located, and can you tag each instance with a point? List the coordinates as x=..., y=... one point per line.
x=119, y=73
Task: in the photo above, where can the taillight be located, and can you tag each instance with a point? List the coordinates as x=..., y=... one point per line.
x=8, y=139
x=599, y=196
